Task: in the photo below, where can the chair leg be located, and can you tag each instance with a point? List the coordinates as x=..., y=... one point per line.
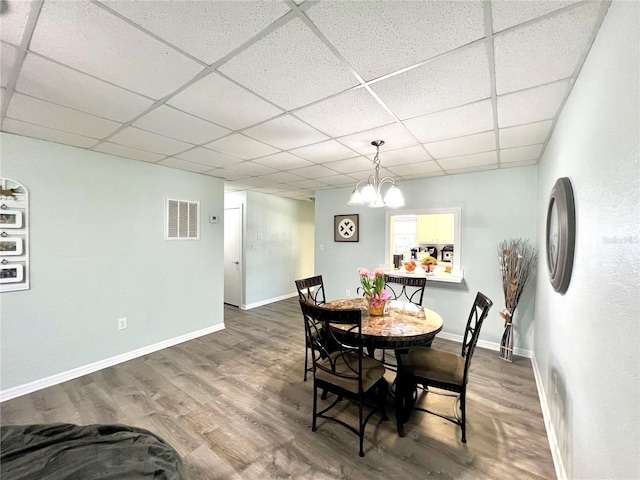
x=383, y=390
x=315, y=406
x=401, y=405
x=361, y=430
x=306, y=359
x=463, y=408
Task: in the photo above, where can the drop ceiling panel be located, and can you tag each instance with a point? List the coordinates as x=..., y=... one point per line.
x=173, y=123
x=221, y=101
x=282, y=177
x=455, y=147
x=394, y=135
x=7, y=59
x=533, y=105
x=456, y=122
x=543, y=51
x=13, y=21
x=307, y=184
x=404, y=156
x=39, y=112
x=314, y=171
x=336, y=180
x=454, y=79
x=352, y=165
x=208, y=157
x=469, y=161
x=55, y=83
x=519, y=154
x=285, y=132
x=36, y=131
x=143, y=140
x=349, y=112
x=525, y=134
x=238, y=145
x=215, y=28
x=323, y=152
x=227, y=175
x=180, y=164
x=507, y=13
x=283, y=161
x=86, y=37
x=296, y=67
x=423, y=168
x=378, y=38
x=128, y=152
x=250, y=169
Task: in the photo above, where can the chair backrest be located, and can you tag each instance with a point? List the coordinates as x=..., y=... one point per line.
x=408, y=289
x=478, y=313
x=330, y=345
x=311, y=290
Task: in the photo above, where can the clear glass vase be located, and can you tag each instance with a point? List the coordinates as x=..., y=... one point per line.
x=376, y=306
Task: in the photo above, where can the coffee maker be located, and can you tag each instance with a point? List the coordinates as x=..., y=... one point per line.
x=414, y=254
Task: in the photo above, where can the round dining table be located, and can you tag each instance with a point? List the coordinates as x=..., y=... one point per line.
x=402, y=326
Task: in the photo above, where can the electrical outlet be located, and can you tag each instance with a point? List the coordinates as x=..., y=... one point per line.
x=122, y=323
x=348, y=293
x=321, y=247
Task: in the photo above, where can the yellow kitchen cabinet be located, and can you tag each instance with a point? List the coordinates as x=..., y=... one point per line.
x=435, y=228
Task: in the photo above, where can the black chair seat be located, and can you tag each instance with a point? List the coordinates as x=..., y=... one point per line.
x=436, y=365
x=345, y=366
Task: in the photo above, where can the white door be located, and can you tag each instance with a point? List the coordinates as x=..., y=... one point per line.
x=232, y=255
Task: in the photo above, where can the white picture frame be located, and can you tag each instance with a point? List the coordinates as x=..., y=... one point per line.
x=11, y=246
x=11, y=273
x=10, y=219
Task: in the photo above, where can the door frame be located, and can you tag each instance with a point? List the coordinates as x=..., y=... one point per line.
x=242, y=253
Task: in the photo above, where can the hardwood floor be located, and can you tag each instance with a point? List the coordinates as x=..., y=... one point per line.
x=234, y=405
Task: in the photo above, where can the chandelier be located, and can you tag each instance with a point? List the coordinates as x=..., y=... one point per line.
x=371, y=193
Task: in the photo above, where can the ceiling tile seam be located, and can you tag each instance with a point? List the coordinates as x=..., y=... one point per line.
x=21, y=53
x=53, y=128
x=465, y=155
x=195, y=145
x=488, y=29
x=148, y=32
x=448, y=109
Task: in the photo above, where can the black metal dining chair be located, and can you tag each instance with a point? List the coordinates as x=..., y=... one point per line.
x=310, y=290
x=429, y=367
x=341, y=367
x=405, y=288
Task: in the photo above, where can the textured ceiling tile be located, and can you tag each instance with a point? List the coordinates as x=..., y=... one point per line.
x=228, y=175
x=468, y=161
x=455, y=147
x=456, y=122
x=127, y=152
x=256, y=182
x=454, y=79
x=519, y=154
x=309, y=183
x=143, y=140
x=86, y=37
x=472, y=169
x=507, y=13
x=294, y=57
x=240, y=146
x=395, y=136
x=249, y=168
x=7, y=59
x=285, y=132
x=336, y=180
x=208, y=157
x=39, y=112
x=352, y=111
x=314, y=171
x=533, y=105
x=218, y=100
x=184, y=165
x=44, y=133
x=381, y=37
x=323, y=152
x=525, y=134
x=50, y=81
x=351, y=165
x=544, y=51
x=403, y=156
x=283, y=161
x=173, y=123
x=13, y=21
x=214, y=28
x=422, y=168
x=282, y=177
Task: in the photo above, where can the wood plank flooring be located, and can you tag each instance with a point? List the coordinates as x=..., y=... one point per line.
x=234, y=405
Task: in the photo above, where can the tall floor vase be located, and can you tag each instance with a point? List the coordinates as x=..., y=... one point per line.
x=506, y=344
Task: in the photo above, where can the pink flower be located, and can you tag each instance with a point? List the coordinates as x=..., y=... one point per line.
x=379, y=272
x=363, y=272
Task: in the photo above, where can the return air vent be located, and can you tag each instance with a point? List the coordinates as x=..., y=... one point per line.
x=183, y=220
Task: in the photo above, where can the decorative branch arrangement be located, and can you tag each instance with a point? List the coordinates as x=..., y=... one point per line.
x=517, y=260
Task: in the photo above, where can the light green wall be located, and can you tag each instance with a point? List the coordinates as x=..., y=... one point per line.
x=495, y=205
x=587, y=341
x=98, y=253
x=278, y=245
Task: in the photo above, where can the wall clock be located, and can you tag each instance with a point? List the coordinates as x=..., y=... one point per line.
x=561, y=234
x=345, y=228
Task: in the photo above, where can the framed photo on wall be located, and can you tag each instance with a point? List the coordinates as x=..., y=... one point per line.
x=346, y=228
x=10, y=246
x=10, y=219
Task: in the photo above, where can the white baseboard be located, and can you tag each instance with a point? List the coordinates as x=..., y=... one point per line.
x=561, y=473
x=484, y=344
x=108, y=362
x=249, y=306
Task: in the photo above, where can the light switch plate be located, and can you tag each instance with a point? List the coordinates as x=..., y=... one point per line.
x=213, y=219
